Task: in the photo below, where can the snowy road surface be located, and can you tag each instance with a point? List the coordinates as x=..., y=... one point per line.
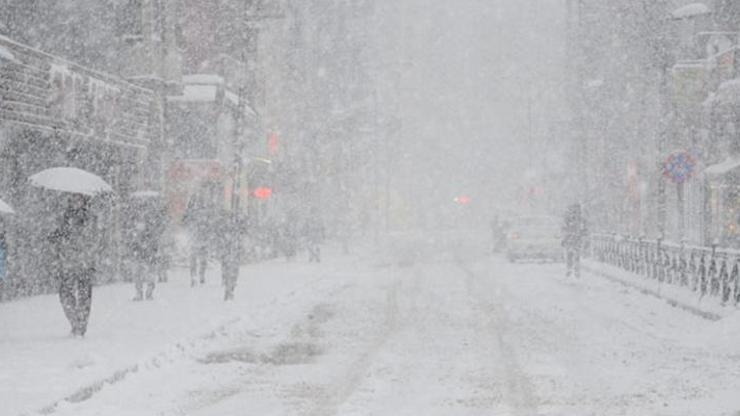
x=456, y=335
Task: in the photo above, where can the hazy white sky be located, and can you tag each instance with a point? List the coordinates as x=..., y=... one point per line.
x=467, y=67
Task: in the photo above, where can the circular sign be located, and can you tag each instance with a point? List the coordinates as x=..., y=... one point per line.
x=679, y=167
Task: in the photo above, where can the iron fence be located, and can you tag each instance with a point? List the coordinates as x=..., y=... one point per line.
x=706, y=271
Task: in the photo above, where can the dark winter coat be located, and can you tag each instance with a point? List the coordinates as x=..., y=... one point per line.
x=314, y=232
x=228, y=240
x=3, y=256
x=145, y=235
x=574, y=230
x=201, y=224
x=76, y=242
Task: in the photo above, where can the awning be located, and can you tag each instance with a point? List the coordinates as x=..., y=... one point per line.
x=721, y=169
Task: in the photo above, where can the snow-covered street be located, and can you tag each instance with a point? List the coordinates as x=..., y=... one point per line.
x=366, y=207
x=451, y=333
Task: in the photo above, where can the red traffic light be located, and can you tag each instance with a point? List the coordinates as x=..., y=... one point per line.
x=262, y=193
x=463, y=200
x=273, y=143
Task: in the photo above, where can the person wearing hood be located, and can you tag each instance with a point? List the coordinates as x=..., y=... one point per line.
x=75, y=244
x=574, y=234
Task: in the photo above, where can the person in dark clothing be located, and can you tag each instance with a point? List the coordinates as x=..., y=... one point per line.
x=75, y=246
x=498, y=235
x=3, y=253
x=288, y=240
x=574, y=234
x=229, y=244
x=145, y=241
x=198, y=219
x=164, y=260
x=314, y=233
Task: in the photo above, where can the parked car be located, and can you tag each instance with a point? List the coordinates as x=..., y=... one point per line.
x=534, y=238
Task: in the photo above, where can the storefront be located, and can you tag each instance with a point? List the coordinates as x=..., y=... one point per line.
x=202, y=127
x=56, y=113
x=723, y=204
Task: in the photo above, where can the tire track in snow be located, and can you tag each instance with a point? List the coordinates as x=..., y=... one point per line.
x=519, y=391
x=357, y=371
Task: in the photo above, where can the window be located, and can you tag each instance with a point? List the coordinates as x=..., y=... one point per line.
x=130, y=20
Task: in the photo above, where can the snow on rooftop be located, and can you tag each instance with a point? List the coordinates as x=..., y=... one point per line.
x=691, y=10
x=7, y=55
x=197, y=93
x=728, y=92
x=723, y=168
x=205, y=79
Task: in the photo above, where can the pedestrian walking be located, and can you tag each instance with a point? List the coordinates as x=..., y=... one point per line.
x=574, y=234
x=4, y=209
x=3, y=252
x=164, y=254
x=198, y=220
x=75, y=246
x=288, y=238
x=498, y=235
x=314, y=233
x=229, y=247
x=145, y=243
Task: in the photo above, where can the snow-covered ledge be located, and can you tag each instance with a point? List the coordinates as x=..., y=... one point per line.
x=691, y=10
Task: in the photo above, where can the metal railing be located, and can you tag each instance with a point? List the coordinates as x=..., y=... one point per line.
x=707, y=271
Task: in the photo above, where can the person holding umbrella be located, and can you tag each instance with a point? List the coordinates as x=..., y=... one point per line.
x=75, y=241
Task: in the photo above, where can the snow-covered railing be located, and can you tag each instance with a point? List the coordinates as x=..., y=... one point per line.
x=42, y=91
x=707, y=271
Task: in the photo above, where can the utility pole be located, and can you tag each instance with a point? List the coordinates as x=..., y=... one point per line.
x=251, y=16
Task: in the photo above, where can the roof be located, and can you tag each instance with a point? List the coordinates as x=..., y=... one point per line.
x=208, y=79
x=203, y=88
x=723, y=168
x=691, y=10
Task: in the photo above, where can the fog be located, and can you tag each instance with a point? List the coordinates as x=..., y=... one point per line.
x=369, y=207
x=479, y=97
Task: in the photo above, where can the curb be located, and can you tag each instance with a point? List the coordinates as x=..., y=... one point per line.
x=177, y=349
x=711, y=316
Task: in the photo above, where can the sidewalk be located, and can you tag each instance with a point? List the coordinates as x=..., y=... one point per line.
x=708, y=307
x=41, y=364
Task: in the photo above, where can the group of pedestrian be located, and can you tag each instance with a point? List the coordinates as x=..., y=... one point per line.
x=76, y=242
x=218, y=234
x=289, y=238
